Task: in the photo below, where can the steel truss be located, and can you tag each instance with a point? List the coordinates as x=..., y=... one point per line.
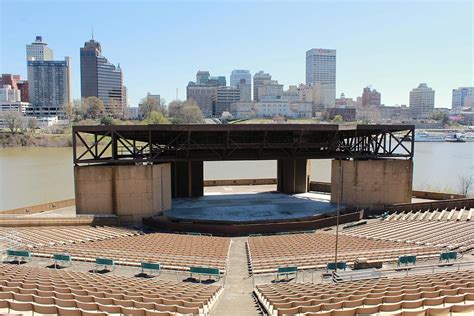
x=167, y=143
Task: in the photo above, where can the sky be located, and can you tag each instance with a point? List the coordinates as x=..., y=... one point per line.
x=391, y=46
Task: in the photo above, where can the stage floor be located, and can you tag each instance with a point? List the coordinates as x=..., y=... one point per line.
x=250, y=207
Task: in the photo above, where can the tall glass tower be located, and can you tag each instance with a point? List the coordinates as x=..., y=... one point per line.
x=99, y=77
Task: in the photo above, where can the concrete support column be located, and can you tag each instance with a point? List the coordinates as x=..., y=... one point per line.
x=187, y=178
x=371, y=183
x=293, y=175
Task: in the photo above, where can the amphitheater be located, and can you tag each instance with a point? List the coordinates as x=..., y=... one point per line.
x=262, y=274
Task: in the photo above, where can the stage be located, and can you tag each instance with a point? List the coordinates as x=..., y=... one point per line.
x=244, y=210
x=250, y=207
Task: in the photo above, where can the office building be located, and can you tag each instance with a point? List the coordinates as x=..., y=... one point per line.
x=245, y=89
x=16, y=82
x=49, y=86
x=223, y=98
x=39, y=51
x=237, y=75
x=370, y=97
x=242, y=79
x=269, y=89
x=202, y=95
x=203, y=91
x=321, y=70
x=8, y=94
x=259, y=79
x=99, y=77
x=422, y=101
x=202, y=77
x=459, y=97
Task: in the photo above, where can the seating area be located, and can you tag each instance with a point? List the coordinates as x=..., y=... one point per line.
x=33, y=237
x=172, y=251
x=434, y=215
x=49, y=291
x=429, y=294
x=457, y=235
x=315, y=250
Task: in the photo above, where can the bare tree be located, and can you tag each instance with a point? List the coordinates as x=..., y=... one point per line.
x=32, y=124
x=115, y=108
x=13, y=120
x=466, y=184
x=69, y=111
x=149, y=104
x=94, y=107
x=187, y=113
x=174, y=108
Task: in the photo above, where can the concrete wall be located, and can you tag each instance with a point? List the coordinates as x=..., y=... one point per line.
x=128, y=191
x=368, y=183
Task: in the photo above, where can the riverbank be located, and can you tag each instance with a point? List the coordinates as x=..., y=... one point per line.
x=34, y=140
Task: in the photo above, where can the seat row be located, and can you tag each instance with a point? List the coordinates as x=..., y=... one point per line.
x=58, y=235
x=413, y=293
x=452, y=235
x=463, y=214
x=315, y=250
x=92, y=292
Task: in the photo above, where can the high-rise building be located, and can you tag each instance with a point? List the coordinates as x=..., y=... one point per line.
x=245, y=89
x=49, y=86
x=321, y=69
x=16, y=82
x=99, y=77
x=237, y=75
x=242, y=79
x=38, y=50
x=421, y=101
x=202, y=77
x=370, y=97
x=155, y=97
x=204, y=90
x=259, y=79
x=9, y=94
x=270, y=89
x=223, y=99
x=459, y=97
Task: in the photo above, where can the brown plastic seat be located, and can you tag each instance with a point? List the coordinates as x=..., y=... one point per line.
x=155, y=313
x=110, y=309
x=132, y=311
x=69, y=312
x=45, y=309
x=368, y=310
x=467, y=308
x=20, y=306
x=414, y=313
x=345, y=312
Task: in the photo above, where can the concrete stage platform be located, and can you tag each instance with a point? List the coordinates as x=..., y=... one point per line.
x=240, y=206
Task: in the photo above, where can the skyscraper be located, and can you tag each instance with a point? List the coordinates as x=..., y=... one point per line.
x=421, y=101
x=245, y=86
x=459, y=96
x=321, y=70
x=49, y=86
x=259, y=79
x=371, y=97
x=204, y=90
x=99, y=77
x=38, y=50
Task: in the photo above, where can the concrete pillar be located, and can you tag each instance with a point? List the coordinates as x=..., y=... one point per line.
x=131, y=192
x=187, y=178
x=293, y=175
x=371, y=183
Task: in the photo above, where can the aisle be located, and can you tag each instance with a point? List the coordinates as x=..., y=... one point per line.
x=236, y=300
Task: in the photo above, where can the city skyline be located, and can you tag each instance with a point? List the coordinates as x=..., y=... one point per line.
x=402, y=55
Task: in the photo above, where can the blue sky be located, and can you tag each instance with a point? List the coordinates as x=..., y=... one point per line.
x=392, y=46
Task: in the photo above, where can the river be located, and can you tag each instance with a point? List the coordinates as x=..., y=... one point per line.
x=37, y=175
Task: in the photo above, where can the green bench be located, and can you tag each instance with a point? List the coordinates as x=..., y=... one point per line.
x=341, y=265
x=406, y=260
x=287, y=271
x=59, y=258
x=105, y=262
x=210, y=272
x=19, y=255
x=446, y=256
x=151, y=266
